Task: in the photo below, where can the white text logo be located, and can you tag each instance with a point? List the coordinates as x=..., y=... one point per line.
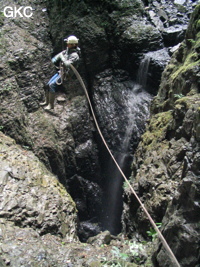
x=13, y=12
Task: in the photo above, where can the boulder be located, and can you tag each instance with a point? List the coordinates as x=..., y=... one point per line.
x=100, y=239
x=173, y=35
x=31, y=196
x=88, y=229
x=157, y=62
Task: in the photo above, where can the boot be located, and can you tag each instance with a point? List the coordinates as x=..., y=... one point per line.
x=51, y=101
x=46, y=102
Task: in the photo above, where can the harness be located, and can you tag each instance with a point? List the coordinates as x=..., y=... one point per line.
x=62, y=74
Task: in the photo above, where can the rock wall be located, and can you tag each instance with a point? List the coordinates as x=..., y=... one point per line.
x=31, y=196
x=63, y=140
x=166, y=165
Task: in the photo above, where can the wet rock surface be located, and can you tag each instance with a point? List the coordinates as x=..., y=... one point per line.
x=156, y=62
x=87, y=196
x=121, y=105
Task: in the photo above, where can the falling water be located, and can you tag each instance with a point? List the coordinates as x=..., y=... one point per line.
x=137, y=109
x=143, y=71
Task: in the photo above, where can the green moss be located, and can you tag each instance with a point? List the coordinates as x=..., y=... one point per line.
x=188, y=101
x=190, y=62
x=190, y=48
x=157, y=129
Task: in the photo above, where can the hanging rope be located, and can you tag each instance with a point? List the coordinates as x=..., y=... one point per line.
x=164, y=242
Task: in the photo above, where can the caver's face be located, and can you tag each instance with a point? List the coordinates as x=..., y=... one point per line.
x=71, y=45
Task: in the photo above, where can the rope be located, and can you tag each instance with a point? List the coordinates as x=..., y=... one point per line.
x=172, y=256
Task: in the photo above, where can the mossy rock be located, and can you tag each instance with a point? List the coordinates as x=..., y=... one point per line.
x=157, y=129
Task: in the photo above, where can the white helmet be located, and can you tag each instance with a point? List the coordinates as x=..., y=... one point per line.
x=71, y=40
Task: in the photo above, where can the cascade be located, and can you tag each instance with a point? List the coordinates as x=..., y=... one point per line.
x=136, y=103
x=143, y=71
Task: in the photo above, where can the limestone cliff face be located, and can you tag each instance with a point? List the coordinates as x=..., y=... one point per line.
x=31, y=196
x=63, y=140
x=166, y=165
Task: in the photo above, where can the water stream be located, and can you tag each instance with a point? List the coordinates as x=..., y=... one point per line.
x=136, y=103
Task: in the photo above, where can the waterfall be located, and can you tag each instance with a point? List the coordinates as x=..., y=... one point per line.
x=143, y=71
x=136, y=105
